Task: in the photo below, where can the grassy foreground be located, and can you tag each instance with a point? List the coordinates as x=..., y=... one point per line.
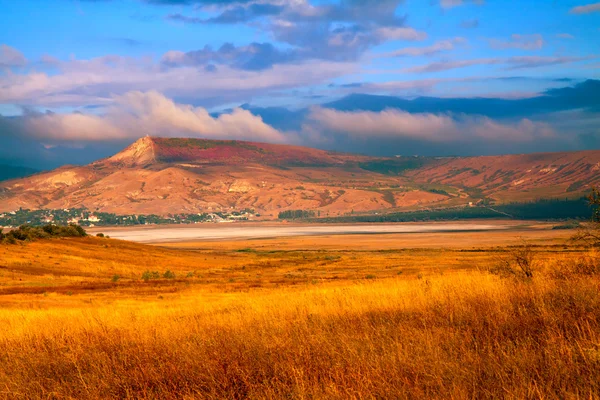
x=463, y=333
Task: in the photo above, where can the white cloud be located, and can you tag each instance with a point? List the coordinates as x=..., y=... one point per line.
x=75, y=127
x=437, y=47
x=536, y=61
x=522, y=42
x=521, y=62
x=136, y=114
x=95, y=81
x=424, y=126
x=11, y=57
x=439, y=66
x=586, y=9
x=450, y=3
x=456, y=3
x=401, y=33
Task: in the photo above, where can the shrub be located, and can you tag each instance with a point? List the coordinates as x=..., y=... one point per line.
x=100, y=235
x=147, y=275
x=517, y=262
x=30, y=233
x=169, y=275
x=567, y=225
x=116, y=278
x=296, y=214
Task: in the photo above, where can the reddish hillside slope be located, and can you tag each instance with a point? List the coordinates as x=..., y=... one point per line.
x=163, y=176
x=233, y=152
x=517, y=177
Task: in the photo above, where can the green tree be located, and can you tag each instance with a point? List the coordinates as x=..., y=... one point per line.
x=594, y=199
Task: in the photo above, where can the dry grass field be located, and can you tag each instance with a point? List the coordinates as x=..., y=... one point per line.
x=340, y=317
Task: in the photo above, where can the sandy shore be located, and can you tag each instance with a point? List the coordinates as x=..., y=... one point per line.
x=166, y=234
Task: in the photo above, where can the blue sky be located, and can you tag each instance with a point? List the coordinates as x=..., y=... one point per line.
x=73, y=70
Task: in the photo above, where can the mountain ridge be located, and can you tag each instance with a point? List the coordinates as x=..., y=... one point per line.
x=582, y=95
x=150, y=150
x=140, y=152
x=13, y=172
x=179, y=175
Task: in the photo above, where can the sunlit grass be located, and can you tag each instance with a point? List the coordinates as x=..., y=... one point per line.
x=464, y=333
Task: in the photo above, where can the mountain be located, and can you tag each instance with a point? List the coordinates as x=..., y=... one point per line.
x=149, y=150
x=12, y=172
x=280, y=117
x=162, y=176
x=521, y=177
x=584, y=95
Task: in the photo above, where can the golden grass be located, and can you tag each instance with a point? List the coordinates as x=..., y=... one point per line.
x=458, y=332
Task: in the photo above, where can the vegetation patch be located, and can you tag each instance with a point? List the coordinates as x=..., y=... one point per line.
x=575, y=186
x=536, y=210
x=31, y=233
x=439, y=191
x=568, y=225
x=296, y=214
x=395, y=166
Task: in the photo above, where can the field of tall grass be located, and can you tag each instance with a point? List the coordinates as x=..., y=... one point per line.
x=465, y=334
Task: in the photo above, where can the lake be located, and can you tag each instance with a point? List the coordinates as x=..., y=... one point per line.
x=164, y=234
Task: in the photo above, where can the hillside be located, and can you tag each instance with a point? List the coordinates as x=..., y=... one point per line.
x=517, y=177
x=162, y=176
x=223, y=152
x=13, y=172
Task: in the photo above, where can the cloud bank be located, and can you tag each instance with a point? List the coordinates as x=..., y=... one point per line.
x=510, y=63
x=393, y=123
x=136, y=114
x=181, y=75
x=428, y=126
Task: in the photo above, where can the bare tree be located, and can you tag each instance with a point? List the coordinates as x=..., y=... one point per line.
x=590, y=233
x=517, y=261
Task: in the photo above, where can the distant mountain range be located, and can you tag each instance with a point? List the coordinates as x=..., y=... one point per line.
x=584, y=95
x=12, y=172
x=163, y=176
